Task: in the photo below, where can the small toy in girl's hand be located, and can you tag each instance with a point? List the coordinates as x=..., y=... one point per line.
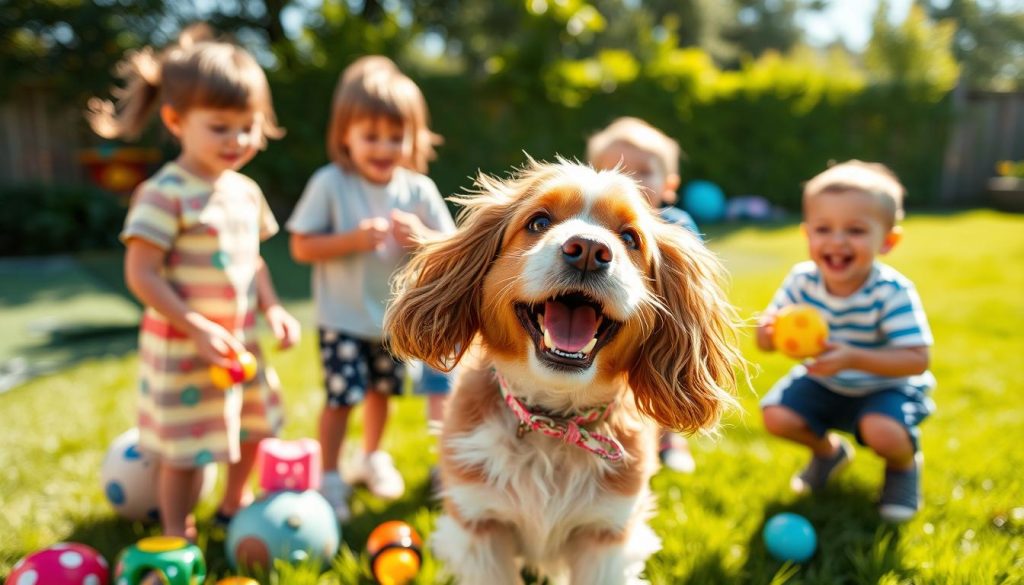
x=65, y=563
x=242, y=370
x=394, y=549
x=800, y=331
x=790, y=537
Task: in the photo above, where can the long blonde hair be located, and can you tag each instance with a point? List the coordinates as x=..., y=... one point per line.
x=197, y=71
x=373, y=86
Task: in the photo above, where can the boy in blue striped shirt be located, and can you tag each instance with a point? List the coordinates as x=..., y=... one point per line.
x=872, y=378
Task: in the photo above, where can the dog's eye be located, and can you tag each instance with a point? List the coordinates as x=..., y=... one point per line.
x=539, y=223
x=630, y=238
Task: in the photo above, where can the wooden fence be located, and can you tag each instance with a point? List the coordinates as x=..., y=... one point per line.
x=39, y=139
x=989, y=128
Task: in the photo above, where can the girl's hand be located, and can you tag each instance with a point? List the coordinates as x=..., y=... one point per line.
x=214, y=343
x=836, y=357
x=765, y=331
x=371, y=233
x=406, y=228
x=285, y=327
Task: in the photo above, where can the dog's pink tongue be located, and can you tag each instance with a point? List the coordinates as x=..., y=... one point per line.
x=571, y=328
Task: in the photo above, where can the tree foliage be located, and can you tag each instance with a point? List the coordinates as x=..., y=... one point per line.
x=917, y=52
x=989, y=41
x=755, y=109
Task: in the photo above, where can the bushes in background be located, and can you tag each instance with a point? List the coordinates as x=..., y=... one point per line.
x=44, y=219
x=762, y=129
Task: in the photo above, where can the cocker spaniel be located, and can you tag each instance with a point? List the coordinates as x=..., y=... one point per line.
x=581, y=323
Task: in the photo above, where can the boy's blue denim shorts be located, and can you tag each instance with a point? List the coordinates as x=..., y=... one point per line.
x=427, y=380
x=822, y=409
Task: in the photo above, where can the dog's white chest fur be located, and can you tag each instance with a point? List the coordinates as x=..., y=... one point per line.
x=545, y=489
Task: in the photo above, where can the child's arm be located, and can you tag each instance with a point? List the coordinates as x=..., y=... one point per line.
x=367, y=237
x=285, y=327
x=142, y=266
x=891, y=362
x=765, y=331
x=409, y=230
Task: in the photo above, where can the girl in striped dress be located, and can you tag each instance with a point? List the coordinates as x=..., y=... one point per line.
x=193, y=235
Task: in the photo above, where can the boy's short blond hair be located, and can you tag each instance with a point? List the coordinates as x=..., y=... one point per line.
x=874, y=179
x=639, y=134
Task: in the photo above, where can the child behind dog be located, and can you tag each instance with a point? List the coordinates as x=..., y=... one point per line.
x=872, y=378
x=357, y=221
x=652, y=158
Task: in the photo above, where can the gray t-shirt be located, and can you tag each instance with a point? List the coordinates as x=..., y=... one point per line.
x=352, y=291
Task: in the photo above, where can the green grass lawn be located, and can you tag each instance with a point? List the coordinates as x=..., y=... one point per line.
x=969, y=269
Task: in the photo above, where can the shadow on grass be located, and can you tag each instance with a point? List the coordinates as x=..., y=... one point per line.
x=111, y=535
x=66, y=346
x=852, y=541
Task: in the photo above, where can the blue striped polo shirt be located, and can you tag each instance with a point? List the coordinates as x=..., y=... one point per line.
x=886, y=312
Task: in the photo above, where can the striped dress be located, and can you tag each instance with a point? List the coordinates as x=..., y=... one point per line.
x=886, y=312
x=211, y=234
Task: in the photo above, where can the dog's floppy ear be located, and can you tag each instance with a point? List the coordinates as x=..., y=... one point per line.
x=686, y=367
x=436, y=312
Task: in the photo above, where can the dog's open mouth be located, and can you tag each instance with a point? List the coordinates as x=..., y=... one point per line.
x=567, y=330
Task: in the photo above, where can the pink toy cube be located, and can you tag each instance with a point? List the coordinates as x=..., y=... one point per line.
x=289, y=465
x=66, y=563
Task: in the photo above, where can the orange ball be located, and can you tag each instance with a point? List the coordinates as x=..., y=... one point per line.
x=394, y=549
x=242, y=370
x=396, y=566
x=800, y=331
x=238, y=581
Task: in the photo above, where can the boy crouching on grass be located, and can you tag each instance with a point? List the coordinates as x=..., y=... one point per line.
x=872, y=379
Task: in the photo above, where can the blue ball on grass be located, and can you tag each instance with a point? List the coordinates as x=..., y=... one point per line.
x=705, y=201
x=790, y=537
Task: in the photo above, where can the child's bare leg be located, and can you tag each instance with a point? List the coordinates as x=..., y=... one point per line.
x=889, y=439
x=175, y=489
x=237, y=491
x=375, y=417
x=783, y=422
x=831, y=454
x=333, y=425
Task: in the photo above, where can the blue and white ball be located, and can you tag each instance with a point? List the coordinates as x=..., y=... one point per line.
x=129, y=478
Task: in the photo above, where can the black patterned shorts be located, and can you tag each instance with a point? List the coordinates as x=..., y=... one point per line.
x=354, y=366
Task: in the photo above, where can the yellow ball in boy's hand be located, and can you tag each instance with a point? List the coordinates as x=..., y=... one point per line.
x=800, y=331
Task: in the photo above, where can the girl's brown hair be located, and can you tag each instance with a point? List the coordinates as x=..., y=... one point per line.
x=373, y=87
x=197, y=71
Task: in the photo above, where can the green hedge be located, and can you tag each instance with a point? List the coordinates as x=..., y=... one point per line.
x=761, y=130
x=44, y=219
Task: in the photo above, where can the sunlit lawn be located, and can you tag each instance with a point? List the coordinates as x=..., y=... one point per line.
x=969, y=269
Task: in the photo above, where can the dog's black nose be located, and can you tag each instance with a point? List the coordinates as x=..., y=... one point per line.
x=586, y=255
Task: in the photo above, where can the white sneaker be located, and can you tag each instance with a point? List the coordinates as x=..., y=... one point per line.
x=378, y=472
x=337, y=493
